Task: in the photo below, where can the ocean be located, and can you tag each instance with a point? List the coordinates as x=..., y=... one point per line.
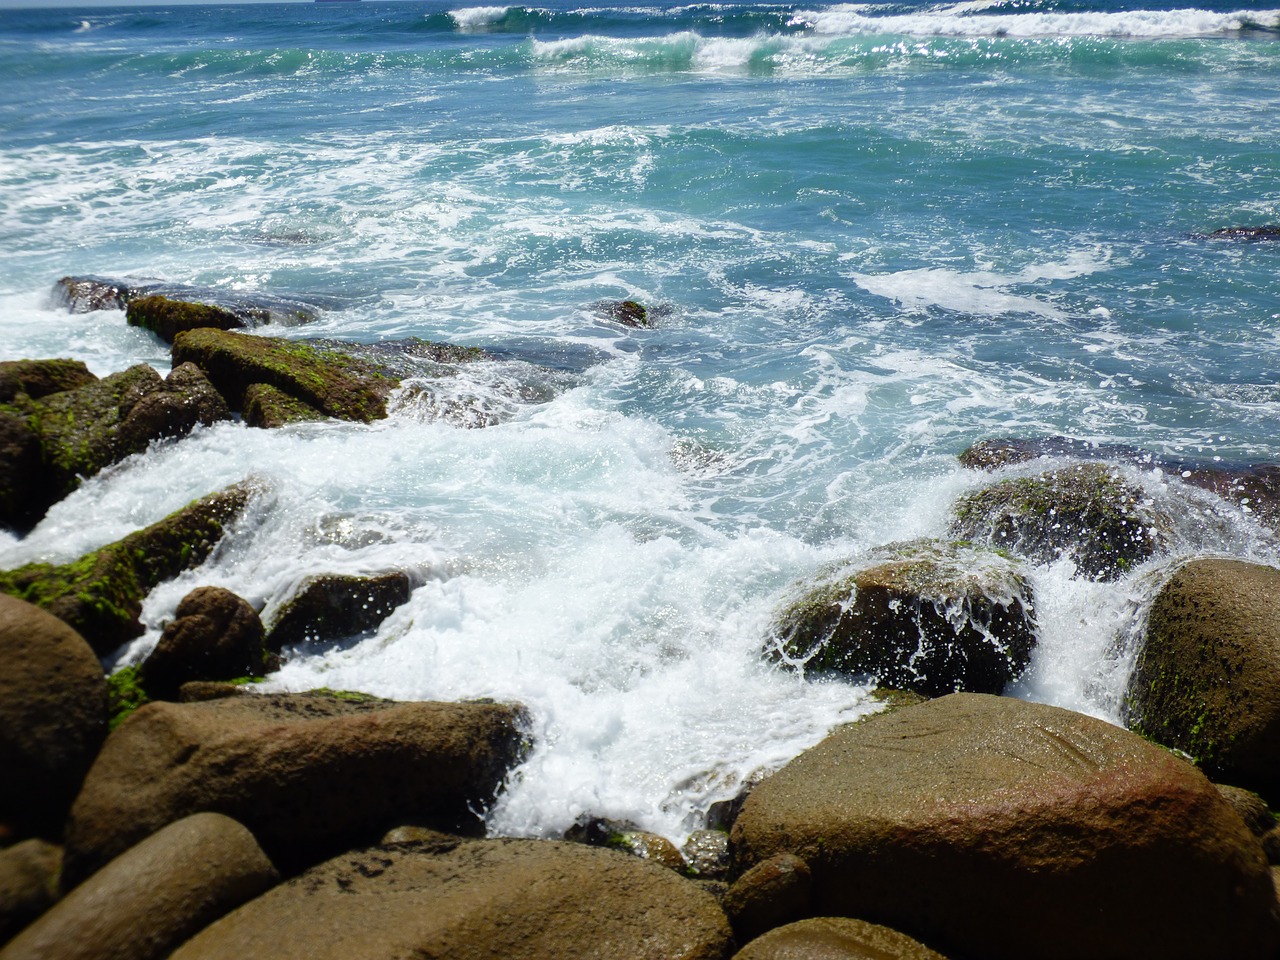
x=869, y=235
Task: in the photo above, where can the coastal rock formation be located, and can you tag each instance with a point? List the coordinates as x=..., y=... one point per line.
x=215, y=635
x=1086, y=511
x=28, y=883
x=269, y=407
x=153, y=897
x=771, y=893
x=835, y=938
x=332, y=606
x=39, y=378
x=309, y=774
x=929, y=616
x=100, y=595
x=53, y=715
x=1207, y=679
x=1269, y=232
x=167, y=318
x=87, y=293
x=978, y=823
x=479, y=900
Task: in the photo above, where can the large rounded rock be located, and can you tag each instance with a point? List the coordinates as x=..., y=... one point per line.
x=308, y=774
x=167, y=317
x=215, y=635
x=1207, y=680
x=928, y=616
x=1086, y=511
x=994, y=828
x=28, y=883
x=836, y=938
x=39, y=378
x=53, y=714
x=153, y=897
x=480, y=900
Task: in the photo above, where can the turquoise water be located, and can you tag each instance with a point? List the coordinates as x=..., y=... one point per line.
x=874, y=233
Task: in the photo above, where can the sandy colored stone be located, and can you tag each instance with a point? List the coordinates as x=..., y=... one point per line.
x=835, y=938
x=28, y=883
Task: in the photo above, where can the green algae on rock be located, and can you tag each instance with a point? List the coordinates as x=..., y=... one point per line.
x=927, y=616
x=39, y=378
x=101, y=594
x=167, y=317
x=270, y=407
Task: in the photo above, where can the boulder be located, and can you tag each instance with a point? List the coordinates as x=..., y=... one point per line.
x=101, y=594
x=39, y=378
x=23, y=499
x=28, y=884
x=153, y=897
x=53, y=715
x=268, y=407
x=776, y=891
x=85, y=294
x=979, y=824
x=836, y=938
x=707, y=854
x=332, y=606
x=498, y=899
x=167, y=318
x=1253, y=810
x=1087, y=511
x=1207, y=679
x=629, y=313
x=929, y=616
x=309, y=774
x=215, y=635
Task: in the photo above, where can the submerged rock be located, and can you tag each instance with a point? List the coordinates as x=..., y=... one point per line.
x=928, y=616
x=629, y=313
x=215, y=635
x=167, y=318
x=483, y=900
x=309, y=774
x=977, y=823
x=85, y=294
x=39, y=378
x=1269, y=232
x=100, y=595
x=53, y=715
x=1207, y=679
x=1086, y=511
x=332, y=606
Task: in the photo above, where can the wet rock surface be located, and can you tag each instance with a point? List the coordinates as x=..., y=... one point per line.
x=215, y=635
x=329, y=607
x=970, y=814
x=929, y=616
x=835, y=938
x=84, y=294
x=39, y=378
x=167, y=318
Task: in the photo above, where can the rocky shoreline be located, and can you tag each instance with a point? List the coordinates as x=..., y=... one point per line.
x=171, y=810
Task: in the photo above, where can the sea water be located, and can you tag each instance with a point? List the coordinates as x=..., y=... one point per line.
x=870, y=234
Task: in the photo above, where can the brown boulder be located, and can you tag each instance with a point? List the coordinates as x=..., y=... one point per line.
x=1207, y=680
x=215, y=635
x=39, y=378
x=480, y=900
x=154, y=897
x=28, y=883
x=309, y=774
x=979, y=823
x=53, y=715
x=771, y=893
x=836, y=938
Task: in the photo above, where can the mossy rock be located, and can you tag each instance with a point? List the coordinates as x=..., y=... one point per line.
x=332, y=606
x=629, y=313
x=268, y=407
x=39, y=378
x=167, y=318
x=927, y=616
x=101, y=594
x=1086, y=511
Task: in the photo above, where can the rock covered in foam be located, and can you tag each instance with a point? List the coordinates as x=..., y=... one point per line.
x=929, y=616
x=978, y=824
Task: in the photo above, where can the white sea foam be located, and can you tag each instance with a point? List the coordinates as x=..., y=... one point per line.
x=472, y=18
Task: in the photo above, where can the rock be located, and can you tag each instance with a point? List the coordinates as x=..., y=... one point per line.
x=1271, y=845
x=773, y=892
x=267, y=407
x=835, y=938
x=167, y=318
x=1087, y=511
x=978, y=823
x=1253, y=810
x=1007, y=451
x=309, y=774
x=927, y=616
x=499, y=899
x=1269, y=232
x=53, y=715
x=651, y=847
x=154, y=897
x=707, y=854
x=332, y=606
x=28, y=884
x=1207, y=679
x=84, y=294
x=629, y=313
x=215, y=635
x=39, y=378
x=100, y=595
x=22, y=494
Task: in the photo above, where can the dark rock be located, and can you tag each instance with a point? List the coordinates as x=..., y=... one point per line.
x=215, y=635
x=773, y=892
x=629, y=313
x=28, y=884
x=39, y=378
x=484, y=900
x=707, y=854
x=100, y=595
x=53, y=715
x=1271, y=845
x=836, y=938
x=269, y=407
x=1087, y=511
x=1253, y=810
x=22, y=494
x=333, y=606
x=167, y=318
x=651, y=847
x=928, y=616
x=1269, y=232
x=309, y=774
x=1207, y=679
x=722, y=813
x=154, y=897
x=977, y=823
x=597, y=831
x=84, y=294
x=1008, y=451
